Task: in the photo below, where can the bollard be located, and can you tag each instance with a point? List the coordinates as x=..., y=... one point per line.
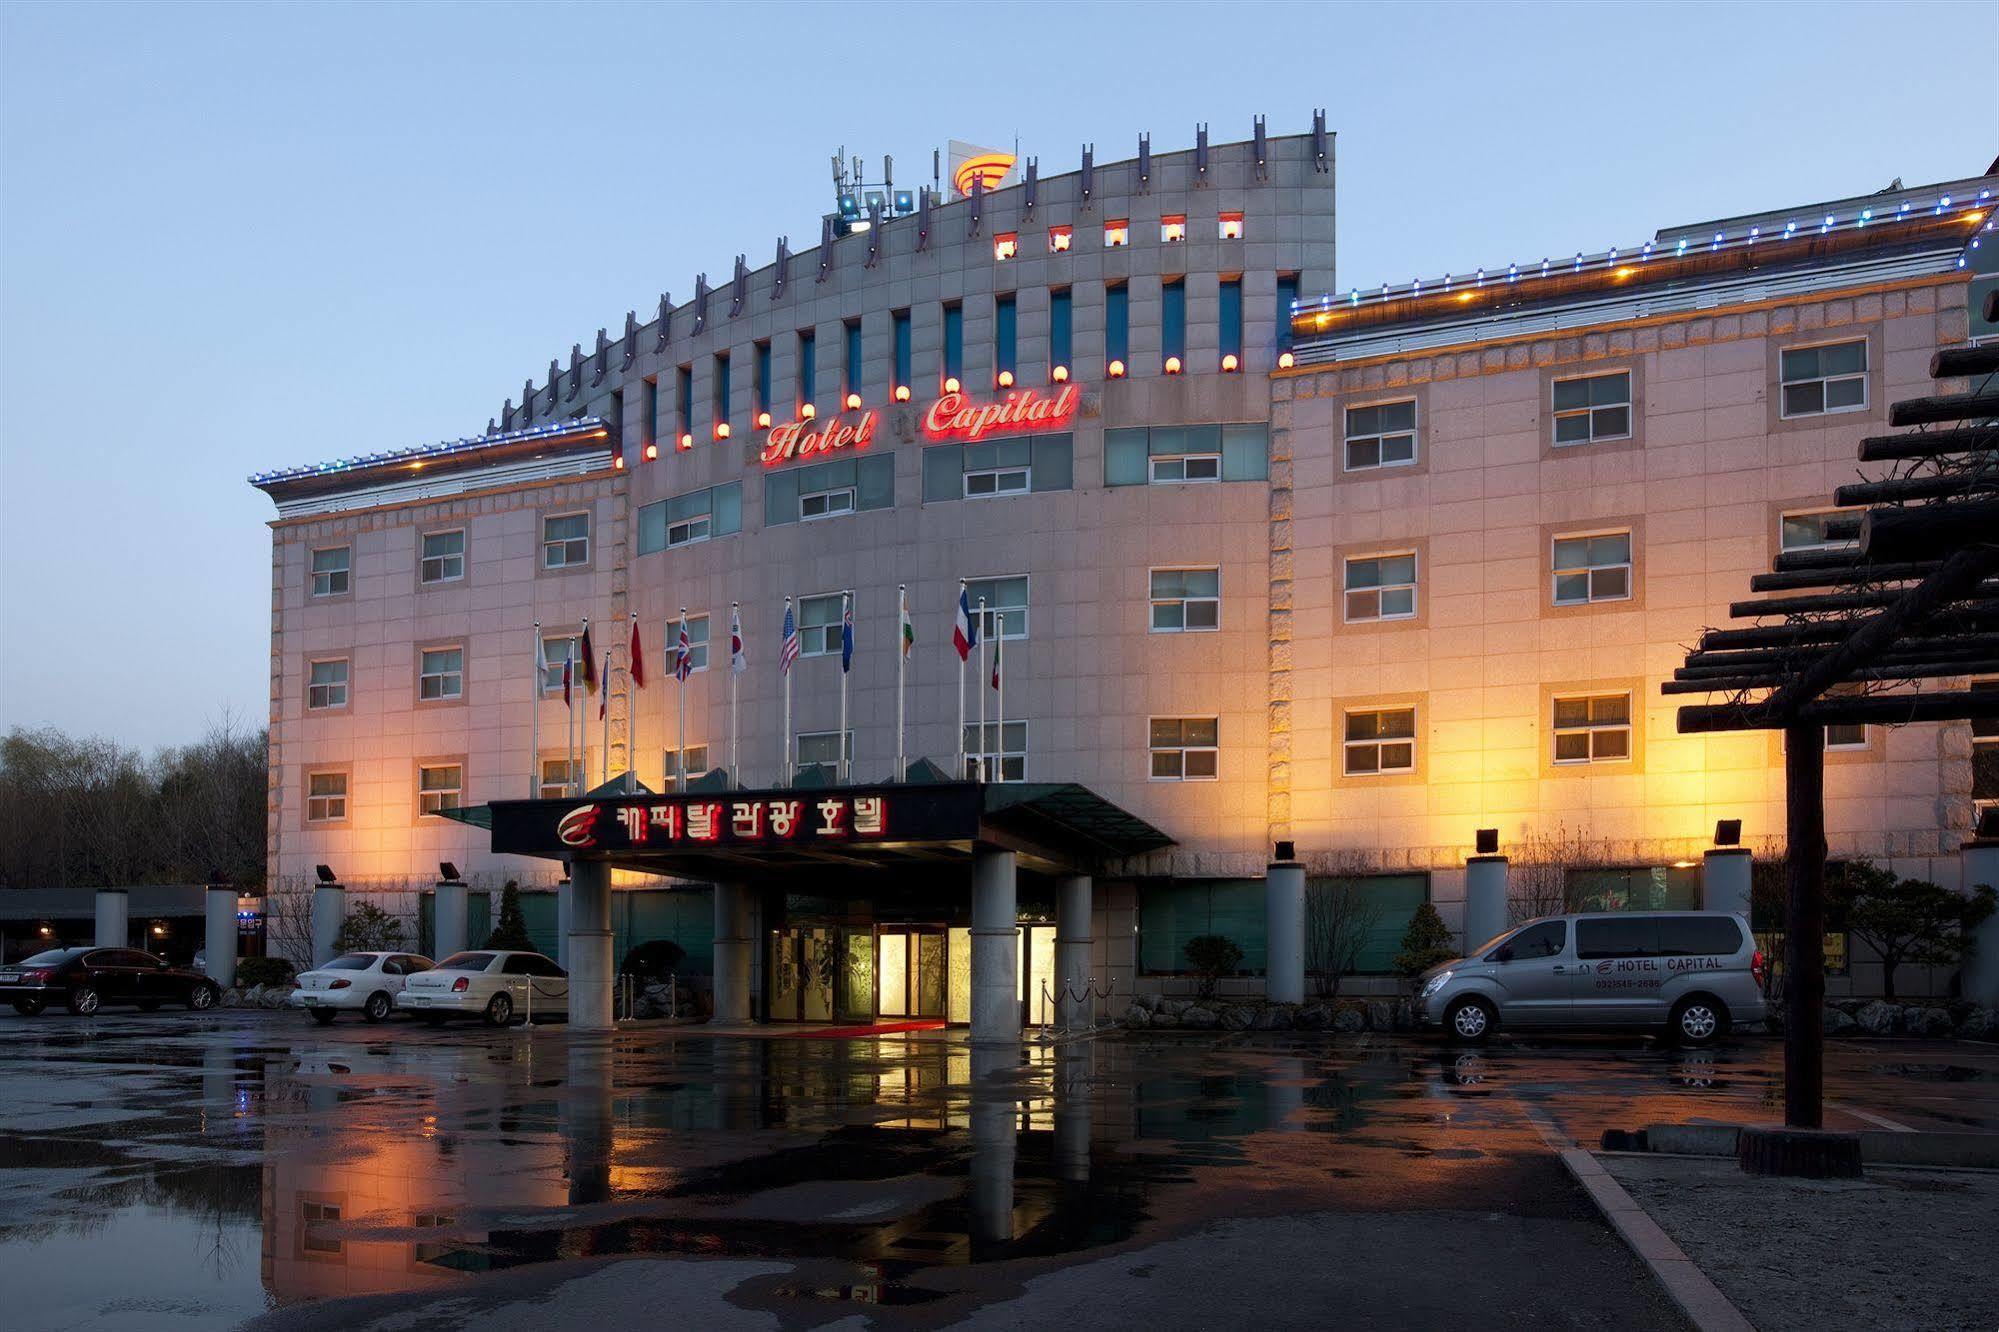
x=527, y=1009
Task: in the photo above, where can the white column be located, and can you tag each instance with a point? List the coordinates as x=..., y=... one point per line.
x=1073, y=945
x=329, y=910
x=219, y=947
x=732, y=952
x=995, y=1116
x=1725, y=879
x=1284, y=933
x=589, y=939
x=995, y=949
x=448, y=918
x=113, y=918
x=1485, y=899
x=565, y=908
x=1979, y=976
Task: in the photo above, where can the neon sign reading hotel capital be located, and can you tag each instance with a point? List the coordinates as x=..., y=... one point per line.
x=798, y=439
x=954, y=416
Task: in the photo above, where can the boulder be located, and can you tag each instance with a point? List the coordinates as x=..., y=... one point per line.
x=1172, y=1008
x=1926, y=1021
x=232, y=998
x=1236, y=1018
x=1163, y=1019
x=1315, y=1017
x=1271, y=1017
x=1380, y=1015
x=1138, y=1015
x=1199, y=1018
x=275, y=996
x=1349, y=1020
x=1980, y=1024
x=1850, y=1007
x=1150, y=1001
x=250, y=995
x=1878, y=1018
x=1837, y=1021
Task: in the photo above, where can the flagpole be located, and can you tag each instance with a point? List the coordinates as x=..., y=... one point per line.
x=999, y=682
x=959, y=775
x=784, y=740
x=534, y=705
x=569, y=719
x=735, y=632
x=580, y=771
x=631, y=711
x=680, y=672
x=901, y=673
x=846, y=618
x=604, y=683
x=981, y=622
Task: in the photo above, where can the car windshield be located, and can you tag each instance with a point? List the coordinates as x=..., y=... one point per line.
x=1494, y=942
x=52, y=957
x=350, y=962
x=466, y=962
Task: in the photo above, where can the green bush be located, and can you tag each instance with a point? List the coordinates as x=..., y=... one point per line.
x=368, y=929
x=512, y=930
x=264, y=971
x=1212, y=956
x=1425, y=943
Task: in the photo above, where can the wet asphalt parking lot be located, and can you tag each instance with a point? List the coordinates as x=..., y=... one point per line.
x=175, y=1171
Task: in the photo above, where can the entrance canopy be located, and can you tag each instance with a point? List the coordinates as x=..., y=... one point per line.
x=748, y=835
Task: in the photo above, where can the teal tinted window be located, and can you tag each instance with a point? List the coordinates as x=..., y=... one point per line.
x=943, y=472
x=780, y=497
x=726, y=504
x=1006, y=333
x=1125, y=456
x=1287, y=294
x=763, y=377
x=1385, y=904
x=1170, y=913
x=900, y=328
x=684, y=396
x=853, y=373
x=652, y=528
x=1245, y=452
x=1173, y=319
x=1659, y=888
x=875, y=481
x=1054, y=462
x=808, y=369
x=1061, y=345
x=1229, y=318
x=954, y=340
x=1117, y=323
x=722, y=387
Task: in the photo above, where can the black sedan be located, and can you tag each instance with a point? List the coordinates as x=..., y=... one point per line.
x=86, y=979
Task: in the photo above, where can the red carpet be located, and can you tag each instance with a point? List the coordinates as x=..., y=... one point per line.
x=847, y=1033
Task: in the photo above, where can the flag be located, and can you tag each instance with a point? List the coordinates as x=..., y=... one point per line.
x=996, y=660
x=568, y=673
x=604, y=694
x=540, y=664
x=846, y=633
x=638, y=657
x=789, y=652
x=908, y=628
x=683, y=663
x=738, y=660
x=965, y=636
x=589, y=662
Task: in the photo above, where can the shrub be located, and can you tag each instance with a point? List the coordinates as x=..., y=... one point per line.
x=1905, y=920
x=263, y=971
x=1211, y=956
x=654, y=959
x=1425, y=943
x=368, y=929
x=512, y=930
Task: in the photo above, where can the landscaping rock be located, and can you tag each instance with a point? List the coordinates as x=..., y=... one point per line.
x=1315, y=1017
x=1837, y=1022
x=1237, y=1018
x=1380, y=1015
x=1150, y=1002
x=274, y=996
x=1164, y=1019
x=1172, y=1008
x=1138, y=1015
x=1878, y=1018
x=1271, y=1017
x=1980, y=1024
x=232, y=998
x=250, y=995
x=1198, y=1018
x=1926, y=1022
x=1349, y=1020
x=1850, y=1007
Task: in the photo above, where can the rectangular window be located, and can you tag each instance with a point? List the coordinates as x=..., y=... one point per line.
x=997, y=467
x=697, y=641
x=1140, y=455
x=1005, y=606
x=331, y=571
x=311, y=1213
x=808, y=366
x=1380, y=740
x=1006, y=334
x=688, y=763
x=999, y=752
x=1636, y=936
x=1058, y=239
x=443, y=557
x=441, y=674
x=325, y=797
x=1287, y=296
x=828, y=489
x=852, y=378
x=1172, y=228
x=558, y=778
x=565, y=541
x=1984, y=753
x=1592, y=568
x=954, y=341
x=1184, y=454
x=1846, y=735
x=1186, y=600
x=722, y=386
x=1593, y=728
x=1185, y=749
x=821, y=750
x=1230, y=226
x=819, y=626
x=1061, y=319
x=326, y=686
x=555, y=652
x=899, y=328
x=762, y=375
x=1117, y=327
x=1807, y=531
x=1381, y=587
x=1173, y=319
x=683, y=399
x=1593, y=408
x=439, y=787
x=830, y=502
x=1381, y=435
x=651, y=389
x=1819, y=381
x=1229, y=319
x=695, y=516
x=1117, y=233
x=1006, y=245
x=1174, y=912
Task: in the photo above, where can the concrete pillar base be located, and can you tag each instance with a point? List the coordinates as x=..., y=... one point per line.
x=1074, y=1007
x=219, y=943
x=590, y=970
x=995, y=950
x=448, y=918
x=732, y=953
x=1725, y=879
x=1486, y=913
x=1284, y=933
x=329, y=912
x=565, y=920
x=114, y=922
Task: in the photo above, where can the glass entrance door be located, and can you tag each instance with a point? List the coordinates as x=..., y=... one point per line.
x=802, y=966
x=911, y=971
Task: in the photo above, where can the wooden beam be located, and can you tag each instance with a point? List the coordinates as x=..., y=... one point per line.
x=1969, y=647
x=1778, y=635
x=1930, y=532
x=1797, y=561
x=1804, y=927
x=1904, y=489
x=1944, y=407
x=1929, y=444
x=1719, y=680
x=1956, y=362
x=1828, y=603
x=1842, y=576
x=1877, y=709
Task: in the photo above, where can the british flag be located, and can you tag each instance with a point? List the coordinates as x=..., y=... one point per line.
x=789, y=653
x=683, y=662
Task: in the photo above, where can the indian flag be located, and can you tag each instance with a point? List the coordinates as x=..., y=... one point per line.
x=908, y=626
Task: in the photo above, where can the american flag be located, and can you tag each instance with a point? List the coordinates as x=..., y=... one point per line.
x=789, y=653
x=683, y=664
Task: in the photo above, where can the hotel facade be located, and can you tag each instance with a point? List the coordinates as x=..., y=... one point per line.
x=1266, y=562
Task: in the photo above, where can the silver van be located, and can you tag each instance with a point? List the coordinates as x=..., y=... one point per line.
x=1688, y=973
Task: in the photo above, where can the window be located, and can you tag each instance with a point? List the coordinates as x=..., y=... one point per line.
x=443, y=557
x=1593, y=728
x=1380, y=740
x=900, y=339
x=1172, y=228
x=1984, y=754
x=819, y=626
x=1002, y=752
x=1117, y=324
x=1006, y=245
x=1807, y=531
x=1593, y=408
x=1172, y=912
x=697, y=641
x=1006, y=606
x=325, y=797
x=1846, y=735
x=1287, y=296
x=1230, y=227
x=1058, y=240
x=690, y=762
x=761, y=374
x=821, y=750
x=1006, y=334
x=1186, y=600
x=808, y=368
x=1680, y=935
x=1381, y=587
x=439, y=787
x=651, y=440
x=1647, y=888
x=310, y=1215
x=1166, y=455
x=696, y=516
x=852, y=378
x=954, y=341
x=1610, y=936
x=555, y=652
x=559, y=777
x=326, y=686
x=1592, y=568
x=825, y=490
x=1061, y=338
x=683, y=397
x=1546, y=939
x=722, y=388
x=1003, y=478
x=1173, y=468
x=1228, y=321
x=1117, y=233
x=330, y=569
x=565, y=541
x=1185, y=749
x=1173, y=320
x=442, y=674
x=1819, y=381
x=996, y=467
x=1381, y=435
x=825, y=503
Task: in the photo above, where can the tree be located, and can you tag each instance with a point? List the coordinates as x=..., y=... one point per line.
x=1425, y=943
x=368, y=929
x=1542, y=881
x=1212, y=956
x=1910, y=920
x=512, y=930
x=1340, y=915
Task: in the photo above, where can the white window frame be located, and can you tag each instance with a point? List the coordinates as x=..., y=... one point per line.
x=424, y=558
x=999, y=760
x=325, y=802
x=828, y=634
x=1556, y=571
x=1347, y=590
x=430, y=800
x=1784, y=411
x=1588, y=411
x=697, y=642
x=1060, y=238
x=1978, y=742
x=1025, y=471
x=671, y=760
x=557, y=790
x=1790, y=514
x=798, y=762
x=1865, y=742
x=555, y=650
x=345, y=572
x=850, y=494
x=1222, y=226
x=441, y=675
x=313, y=687
x=1155, y=600
x=1153, y=461
x=694, y=528
x=1173, y=229
x=1590, y=728
x=1117, y=233
x=1349, y=746
x=552, y=545
x=1181, y=750
x=1349, y=439
x=1016, y=621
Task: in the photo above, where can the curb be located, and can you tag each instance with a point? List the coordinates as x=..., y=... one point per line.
x=1698, y=1298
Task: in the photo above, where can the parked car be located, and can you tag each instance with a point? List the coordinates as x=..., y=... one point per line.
x=1691, y=974
x=86, y=979
x=493, y=983
x=367, y=983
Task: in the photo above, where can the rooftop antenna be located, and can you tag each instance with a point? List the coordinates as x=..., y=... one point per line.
x=936, y=172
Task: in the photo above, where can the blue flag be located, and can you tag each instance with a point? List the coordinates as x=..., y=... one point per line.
x=847, y=635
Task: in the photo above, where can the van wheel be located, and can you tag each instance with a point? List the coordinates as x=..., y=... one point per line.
x=377, y=1007
x=1698, y=1019
x=500, y=1011
x=1470, y=1021
x=323, y=1016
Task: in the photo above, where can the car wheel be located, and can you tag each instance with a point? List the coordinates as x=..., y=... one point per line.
x=148, y=1005
x=323, y=1016
x=377, y=1007
x=1470, y=1021
x=1697, y=1020
x=201, y=998
x=83, y=1001
x=28, y=1007
x=500, y=1011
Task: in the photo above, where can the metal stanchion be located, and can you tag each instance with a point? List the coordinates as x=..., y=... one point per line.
x=527, y=990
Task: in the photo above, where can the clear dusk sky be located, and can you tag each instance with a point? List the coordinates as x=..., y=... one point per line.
x=237, y=236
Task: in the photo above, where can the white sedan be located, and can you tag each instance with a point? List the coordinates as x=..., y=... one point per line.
x=367, y=983
x=492, y=983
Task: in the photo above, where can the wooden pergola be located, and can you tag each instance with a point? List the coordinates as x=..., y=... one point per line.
x=1884, y=630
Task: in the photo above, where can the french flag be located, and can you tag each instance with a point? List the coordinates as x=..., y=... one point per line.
x=965, y=634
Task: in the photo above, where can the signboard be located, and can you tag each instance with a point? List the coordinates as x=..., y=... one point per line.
x=799, y=439
x=970, y=164
x=956, y=417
